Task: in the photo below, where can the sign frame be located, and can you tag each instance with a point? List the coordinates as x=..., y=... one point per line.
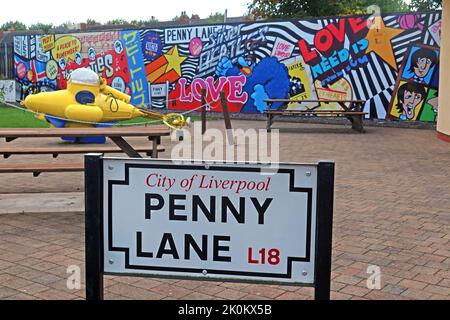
x=94, y=237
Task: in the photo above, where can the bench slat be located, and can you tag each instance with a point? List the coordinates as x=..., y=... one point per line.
x=313, y=101
x=41, y=167
x=71, y=150
x=322, y=112
x=355, y=117
x=152, y=131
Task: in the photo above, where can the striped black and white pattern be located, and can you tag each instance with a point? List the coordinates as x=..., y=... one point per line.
x=373, y=82
x=428, y=38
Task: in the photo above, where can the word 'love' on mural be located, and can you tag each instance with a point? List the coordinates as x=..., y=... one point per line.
x=390, y=61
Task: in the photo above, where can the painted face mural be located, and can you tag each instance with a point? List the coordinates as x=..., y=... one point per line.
x=422, y=62
x=417, y=86
x=341, y=58
x=410, y=95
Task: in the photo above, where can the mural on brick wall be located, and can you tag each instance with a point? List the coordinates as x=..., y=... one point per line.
x=357, y=57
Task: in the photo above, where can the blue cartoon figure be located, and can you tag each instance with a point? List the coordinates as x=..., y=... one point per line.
x=266, y=79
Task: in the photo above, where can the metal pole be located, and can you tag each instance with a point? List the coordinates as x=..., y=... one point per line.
x=203, y=111
x=6, y=61
x=93, y=180
x=226, y=117
x=324, y=229
x=167, y=94
x=149, y=87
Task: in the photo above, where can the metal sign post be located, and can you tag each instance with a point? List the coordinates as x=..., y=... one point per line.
x=93, y=180
x=200, y=221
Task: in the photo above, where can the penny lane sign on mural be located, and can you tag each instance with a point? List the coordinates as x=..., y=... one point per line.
x=199, y=221
x=357, y=57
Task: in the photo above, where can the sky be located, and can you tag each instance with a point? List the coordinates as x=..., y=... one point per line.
x=57, y=12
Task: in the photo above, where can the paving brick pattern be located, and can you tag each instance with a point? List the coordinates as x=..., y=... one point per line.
x=392, y=210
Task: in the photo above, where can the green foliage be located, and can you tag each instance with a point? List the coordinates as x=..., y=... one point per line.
x=65, y=25
x=17, y=25
x=14, y=118
x=91, y=22
x=143, y=23
x=215, y=18
x=424, y=5
x=46, y=27
x=117, y=21
x=310, y=8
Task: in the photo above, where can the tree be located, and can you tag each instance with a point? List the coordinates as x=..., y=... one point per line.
x=215, y=17
x=143, y=23
x=14, y=25
x=92, y=22
x=311, y=8
x=46, y=27
x=117, y=22
x=424, y=5
x=66, y=25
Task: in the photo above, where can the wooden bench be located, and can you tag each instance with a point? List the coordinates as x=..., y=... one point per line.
x=68, y=149
x=352, y=112
x=116, y=134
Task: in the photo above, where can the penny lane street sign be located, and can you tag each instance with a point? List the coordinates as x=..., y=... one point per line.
x=222, y=222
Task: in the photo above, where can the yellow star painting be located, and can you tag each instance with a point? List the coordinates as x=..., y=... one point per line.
x=166, y=68
x=174, y=60
x=379, y=37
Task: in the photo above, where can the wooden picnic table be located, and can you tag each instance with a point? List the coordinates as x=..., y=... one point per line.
x=352, y=111
x=355, y=105
x=116, y=134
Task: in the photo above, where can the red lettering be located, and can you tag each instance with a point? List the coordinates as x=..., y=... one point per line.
x=357, y=24
x=215, y=90
x=307, y=54
x=149, y=178
x=197, y=85
x=250, y=257
x=338, y=32
x=323, y=40
x=183, y=96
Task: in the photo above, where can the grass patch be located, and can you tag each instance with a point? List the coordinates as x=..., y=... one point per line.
x=15, y=118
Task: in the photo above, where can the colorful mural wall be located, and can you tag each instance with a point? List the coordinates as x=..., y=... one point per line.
x=357, y=57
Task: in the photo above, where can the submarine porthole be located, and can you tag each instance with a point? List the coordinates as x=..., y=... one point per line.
x=85, y=97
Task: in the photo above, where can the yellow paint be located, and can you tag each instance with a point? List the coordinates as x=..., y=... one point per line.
x=379, y=37
x=47, y=42
x=110, y=105
x=66, y=47
x=174, y=60
x=396, y=113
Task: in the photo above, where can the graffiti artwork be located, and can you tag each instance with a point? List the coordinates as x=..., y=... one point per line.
x=362, y=57
x=7, y=90
x=416, y=93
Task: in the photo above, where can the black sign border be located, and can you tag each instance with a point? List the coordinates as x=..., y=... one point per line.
x=292, y=188
x=94, y=240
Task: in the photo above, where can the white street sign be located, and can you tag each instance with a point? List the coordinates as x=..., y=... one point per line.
x=224, y=221
x=158, y=90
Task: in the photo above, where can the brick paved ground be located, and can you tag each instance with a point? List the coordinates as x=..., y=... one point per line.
x=392, y=210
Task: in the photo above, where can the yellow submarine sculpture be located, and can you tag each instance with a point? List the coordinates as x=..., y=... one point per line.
x=88, y=102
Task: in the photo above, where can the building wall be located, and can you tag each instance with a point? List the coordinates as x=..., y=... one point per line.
x=443, y=125
x=359, y=57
